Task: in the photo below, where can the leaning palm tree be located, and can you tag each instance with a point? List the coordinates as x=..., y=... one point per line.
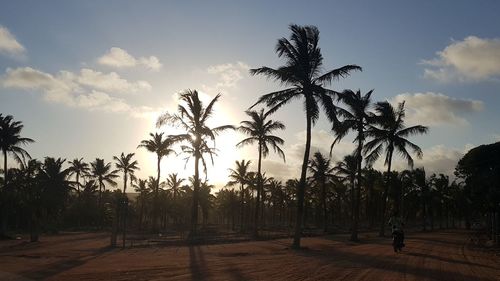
x=102, y=173
x=125, y=164
x=193, y=116
x=259, y=129
x=79, y=168
x=355, y=117
x=390, y=134
x=302, y=73
x=322, y=174
x=240, y=176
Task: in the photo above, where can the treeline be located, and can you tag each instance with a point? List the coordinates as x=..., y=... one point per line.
x=348, y=195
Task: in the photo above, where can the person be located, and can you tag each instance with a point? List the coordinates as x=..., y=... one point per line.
x=397, y=230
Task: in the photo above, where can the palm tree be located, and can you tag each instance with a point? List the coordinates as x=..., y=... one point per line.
x=390, y=134
x=259, y=129
x=125, y=164
x=355, y=117
x=78, y=168
x=346, y=170
x=302, y=73
x=193, y=117
x=103, y=174
x=10, y=143
x=240, y=176
x=174, y=184
x=157, y=144
x=322, y=173
x=143, y=190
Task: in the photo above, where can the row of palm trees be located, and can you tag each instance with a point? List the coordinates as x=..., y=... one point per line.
x=379, y=132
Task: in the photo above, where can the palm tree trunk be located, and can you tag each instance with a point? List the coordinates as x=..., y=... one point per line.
x=3, y=208
x=259, y=190
x=302, y=184
x=157, y=187
x=242, y=211
x=354, y=233
x=384, y=196
x=325, y=213
x=196, y=187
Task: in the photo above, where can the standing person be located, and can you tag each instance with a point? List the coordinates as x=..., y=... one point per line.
x=398, y=235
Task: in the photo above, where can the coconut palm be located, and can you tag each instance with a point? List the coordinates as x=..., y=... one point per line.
x=125, y=164
x=79, y=168
x=389, y=134
x=240, y=176
x=103, y=174
x=346, y=171
x=11, y=143
x=322, y=174
x=161, y=146
x=259, y=129
x=355, y=117
x=193, y=116
x=303, y=63
x=174, y=184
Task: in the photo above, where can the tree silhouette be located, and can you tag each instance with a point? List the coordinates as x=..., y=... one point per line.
x=355, y=117
x=240, y=176
x=322, y=174
x=79, y=168
x=102, y=173
x=303, y=63
x=125, y=164
x=390, y=134
x=161, y=146
x=10, y=143
x=192, y=116
x=259, y=129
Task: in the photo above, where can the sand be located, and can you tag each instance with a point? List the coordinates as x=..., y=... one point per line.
x=446, y=255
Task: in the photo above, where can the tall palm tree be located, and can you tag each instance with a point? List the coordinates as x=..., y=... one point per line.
x=193, y=116
x=161, y=146
x=259, y=129
x=390, y=134
x=103, y=173
x=322, y=173
x=303, y=63
x=355, y=117
x=10, y=143
x=240, y=176
x=125, y=164
x=79, y=168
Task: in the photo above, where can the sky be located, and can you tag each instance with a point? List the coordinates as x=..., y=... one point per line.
x=89, y=78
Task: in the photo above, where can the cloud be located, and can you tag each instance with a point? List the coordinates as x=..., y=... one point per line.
x=435, y=109
x=472, y=59
x=82, y=90
x=117, y=57
x=110, y=82
x=8, y=43
x=228, y=76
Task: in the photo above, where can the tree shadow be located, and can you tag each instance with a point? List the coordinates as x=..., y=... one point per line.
x=331, y=255
x=65, y=265
x=197, y=264
x=449, y=260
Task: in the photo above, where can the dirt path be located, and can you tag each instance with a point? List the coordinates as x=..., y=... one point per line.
x=428, y=256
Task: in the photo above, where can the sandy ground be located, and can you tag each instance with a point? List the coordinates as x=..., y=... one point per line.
x=428, y=256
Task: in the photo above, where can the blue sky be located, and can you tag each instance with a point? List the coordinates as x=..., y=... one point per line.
x=88, y=78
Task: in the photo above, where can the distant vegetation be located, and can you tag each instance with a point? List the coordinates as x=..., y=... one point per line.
x=40, y=196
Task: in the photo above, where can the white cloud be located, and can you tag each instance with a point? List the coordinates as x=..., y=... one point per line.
x=82, y=91
x=117, y=57
x=435, y=109
x=228, y=76
x=472, y=59
x=9, y=44
x=110, y=82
